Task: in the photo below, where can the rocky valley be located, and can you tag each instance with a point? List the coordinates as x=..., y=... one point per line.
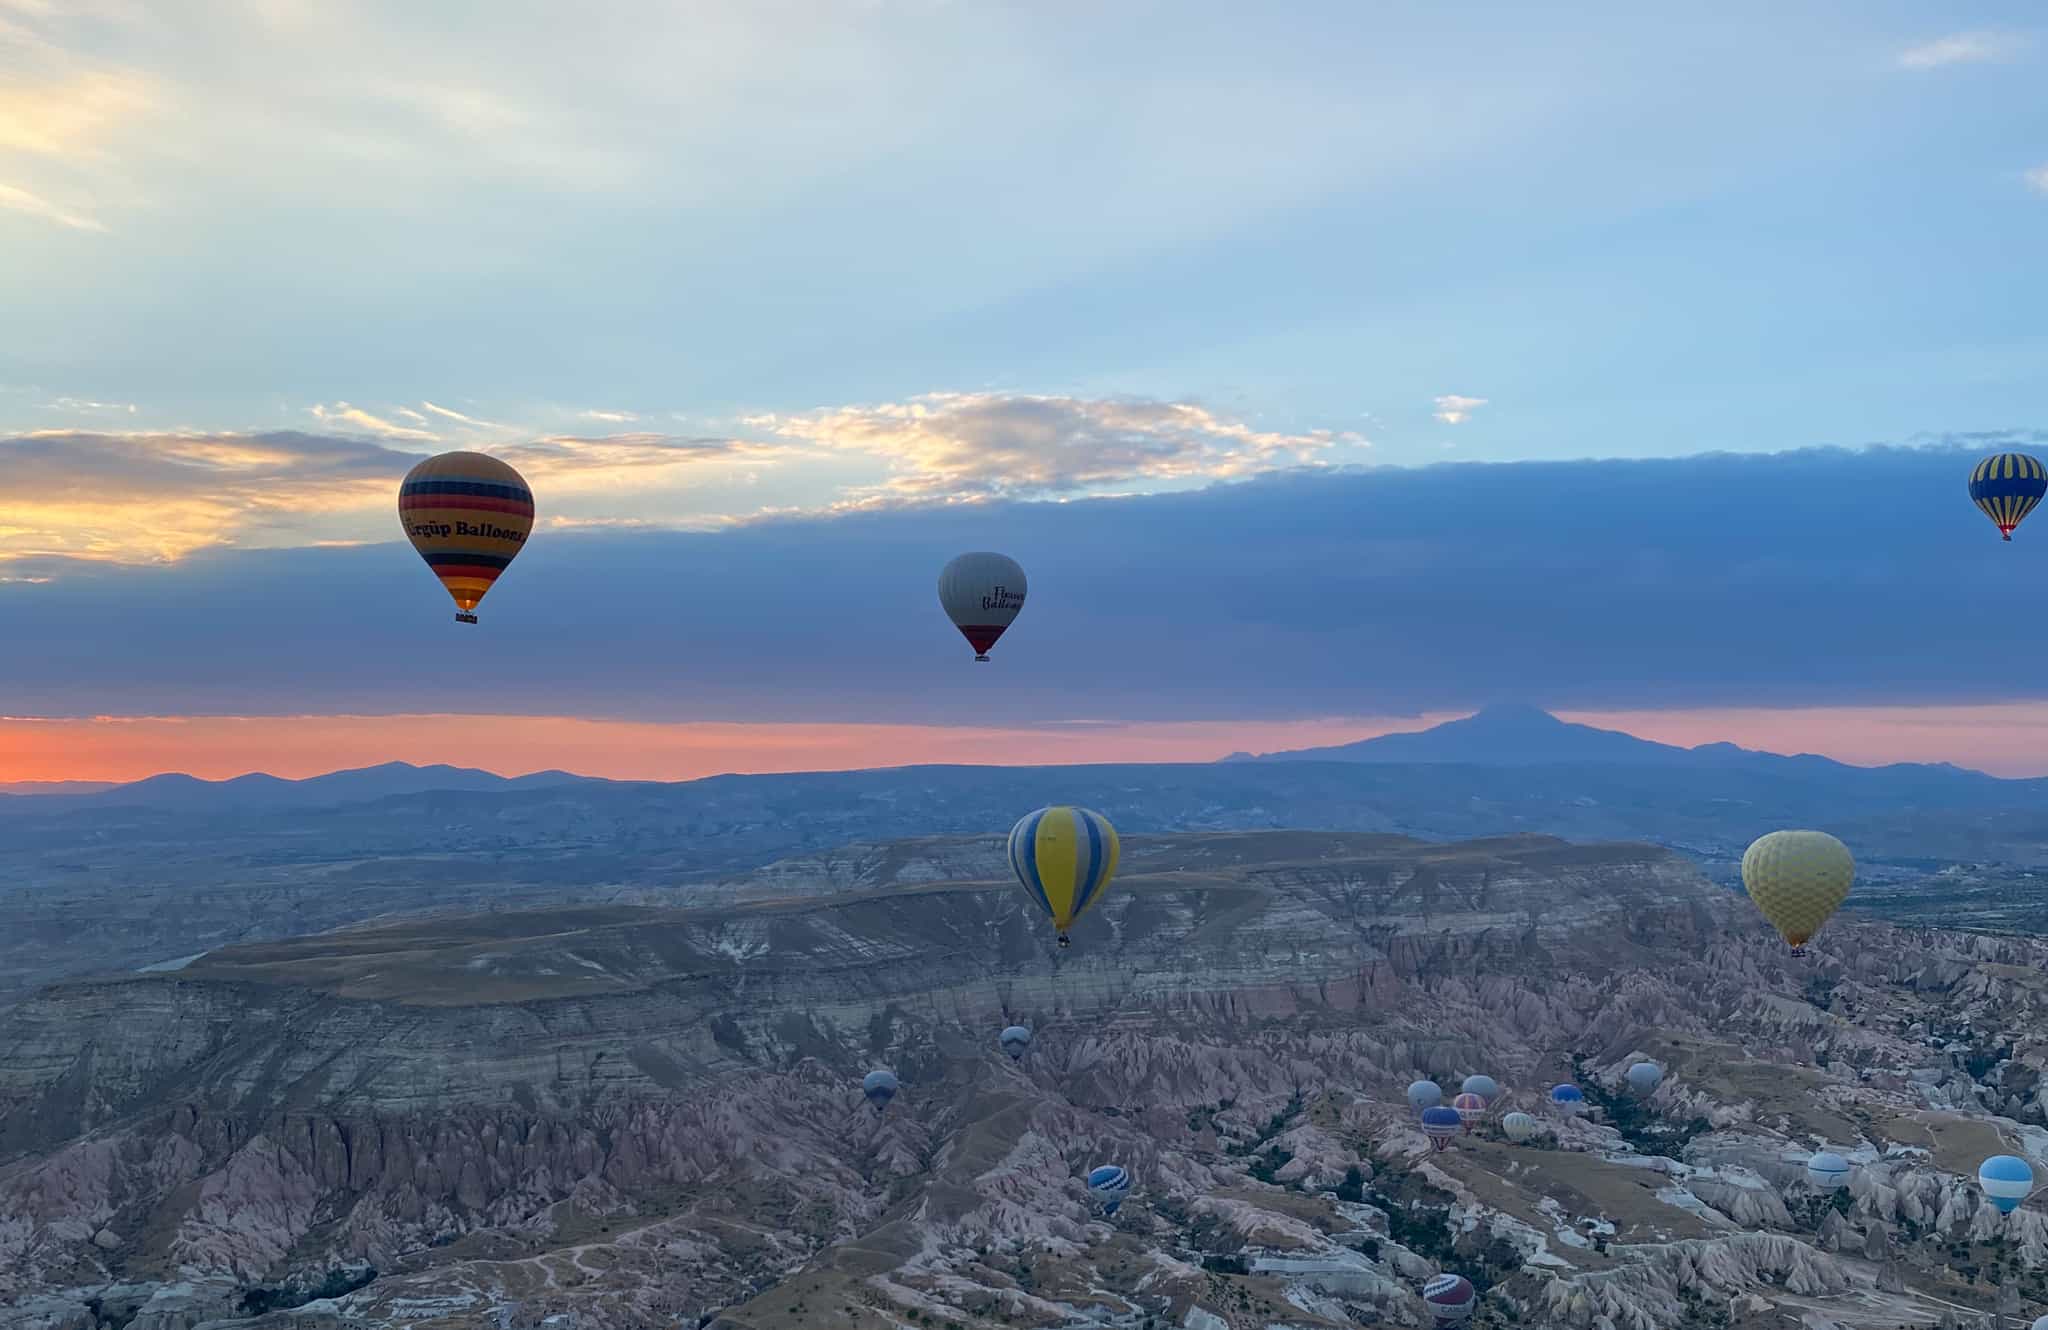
x=635, y=1115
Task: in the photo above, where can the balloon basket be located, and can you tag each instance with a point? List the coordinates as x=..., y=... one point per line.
x=983, y=658
x=1065, y=942
x=461, y=617
x=1801, y=952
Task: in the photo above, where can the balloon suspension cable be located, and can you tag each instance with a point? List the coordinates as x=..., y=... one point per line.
x=462, y=616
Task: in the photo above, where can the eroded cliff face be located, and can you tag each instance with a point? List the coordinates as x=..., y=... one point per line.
x=647, y=1117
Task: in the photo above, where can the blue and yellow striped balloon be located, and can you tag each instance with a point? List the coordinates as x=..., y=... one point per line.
x=1064, y=857
x=2007, y=487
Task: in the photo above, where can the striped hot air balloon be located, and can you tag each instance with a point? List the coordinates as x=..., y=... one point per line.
x=1450, y=1298
x=1568, y=1099
x=1109, y=1184
x=1797, y=879
x=2007, y=1180
x=1064, y=858
x=2006, y=488
x=468, y=515
x=1518, y=1126
x=1470, y=1108
x=1440, y=1124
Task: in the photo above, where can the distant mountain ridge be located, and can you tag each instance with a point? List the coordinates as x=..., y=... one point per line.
x=1521, y=736
x=260, y=791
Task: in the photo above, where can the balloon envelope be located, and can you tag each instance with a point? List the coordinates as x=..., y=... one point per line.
x=1469, y=1107
x=1483, y=1086
x=468, y=515
x=982, y=594
x=1424, y=1094
x=1518, y=1126
x=2007, y=1180
x=1063, y=858
x=879, y=1086
x=2006, y=487
x=1568, y=1097
x=1109, y=1184
x=1827, y=1170
x=1440, y=1124
x=1644, y=1077
x=1798, y=879
x=1016, y=1039
x=1449, y=1298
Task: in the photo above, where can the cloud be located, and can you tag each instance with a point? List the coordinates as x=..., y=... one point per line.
x=614, y=417
x=341, y=414
x=1455, y=410
x=66, y=116
x=566, y=456
x=17, y=199
x=1827, y=577
x=461, y=419
x=1962, y=48
x=985, y=445
x=2037, y=179
x=138, y=498
x=84, y=406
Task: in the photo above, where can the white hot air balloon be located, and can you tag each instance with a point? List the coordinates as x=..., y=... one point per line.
x=1484, y=1086
x=982, y=594
x=1828, y=1171
x=1518, y=1126
x=1016, y=1041
x=1644, y=1077
x=1424, y=1094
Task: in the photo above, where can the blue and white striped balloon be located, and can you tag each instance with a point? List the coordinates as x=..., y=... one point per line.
x=2007, y=1180
x=1568, y=1098
x=1109, y=1184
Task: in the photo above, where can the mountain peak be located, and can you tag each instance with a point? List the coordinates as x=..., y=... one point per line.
x=1504, y=734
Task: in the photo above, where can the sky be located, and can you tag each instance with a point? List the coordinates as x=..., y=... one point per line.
x=1329, y=368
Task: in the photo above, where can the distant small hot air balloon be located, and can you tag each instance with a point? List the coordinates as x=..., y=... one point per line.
x=1064, y=858
x=1518, y=1126
x=1450, y=1298
x=1568, y=1099
x=1827, y=1171
x=2006, y=488
x=1483, y=1086
x=982, y=594
x=1016, y=1041
x=1798, y=879
x=1470, y=1108
x=1424, y=1094
x=468, y=515
x=2040, y=1323
x=1109, y=1184
x=1440, y=1124
x=2007, y=1180
x=880, y=1087
x=1644, y=1077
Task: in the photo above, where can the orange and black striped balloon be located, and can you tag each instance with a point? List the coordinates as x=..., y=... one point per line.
x=468, y=515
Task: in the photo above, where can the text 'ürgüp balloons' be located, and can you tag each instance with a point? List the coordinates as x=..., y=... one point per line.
x=468, y=515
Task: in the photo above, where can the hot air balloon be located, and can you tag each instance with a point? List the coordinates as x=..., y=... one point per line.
x=1424, y=1094
x=468, y=515
x=1016, y=1041
x=1827, y=1170
x=2040, y=1323
x=2006, y=1179
x=880, y=1087
x=1440, y=1124
x=1797, y=878
x=1470, y=1108
x=1064, y=857
x=1518, y=1126
x=982, y=594
x=2006, y=488
x=1568, y=1099
x=1450, y=1298
x=1109, y=1184
x=1644, y=1077
x=1483, y=1086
